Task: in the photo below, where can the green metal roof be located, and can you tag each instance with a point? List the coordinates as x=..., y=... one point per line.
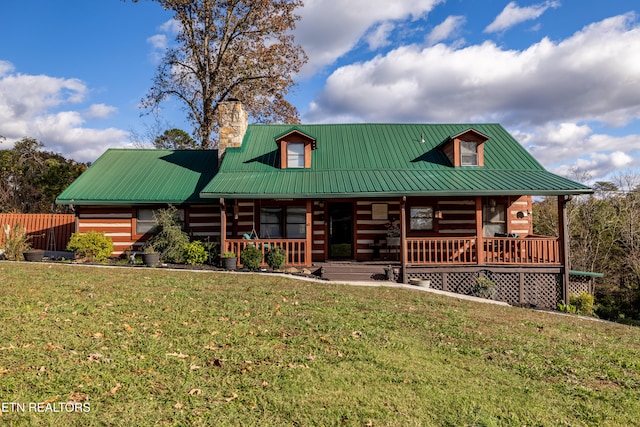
x=125, y=176
x=370, y=160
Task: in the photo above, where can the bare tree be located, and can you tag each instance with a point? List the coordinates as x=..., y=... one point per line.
x=230, y=49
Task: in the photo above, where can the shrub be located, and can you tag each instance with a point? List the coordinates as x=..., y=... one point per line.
x=584, y=303
x=91, y=245
x=251, y=257
x=195, y=253
x=16, y=241
x=170, y=238
x=484, y=288
x=276, y=258
x=228, y=255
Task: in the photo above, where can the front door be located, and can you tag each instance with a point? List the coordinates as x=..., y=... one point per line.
x=340, y=230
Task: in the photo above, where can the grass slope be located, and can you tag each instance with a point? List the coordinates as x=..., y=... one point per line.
x=152, y=347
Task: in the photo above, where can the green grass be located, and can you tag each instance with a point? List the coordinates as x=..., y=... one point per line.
x=145, y=346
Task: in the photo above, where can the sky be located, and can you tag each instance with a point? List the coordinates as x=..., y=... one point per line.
x=563, y=77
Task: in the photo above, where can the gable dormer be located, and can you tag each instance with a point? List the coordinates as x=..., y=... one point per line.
x=295, y=149
x=466, y=148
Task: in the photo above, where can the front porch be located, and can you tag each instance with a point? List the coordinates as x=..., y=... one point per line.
x=475, y=232
x=435, y=251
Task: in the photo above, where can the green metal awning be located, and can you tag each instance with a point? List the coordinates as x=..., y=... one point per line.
x=585, y=273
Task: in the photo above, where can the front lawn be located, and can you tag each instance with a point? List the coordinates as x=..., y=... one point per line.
x=139, y=346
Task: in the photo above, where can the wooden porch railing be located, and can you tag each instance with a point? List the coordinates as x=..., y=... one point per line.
x=530, y=250
x=497, y=250
x=295, y=249
x=441, y=250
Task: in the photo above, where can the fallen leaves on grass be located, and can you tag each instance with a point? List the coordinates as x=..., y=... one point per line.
x=97, y=358
x=115, y=389
x=195, y=391
x=178, y=355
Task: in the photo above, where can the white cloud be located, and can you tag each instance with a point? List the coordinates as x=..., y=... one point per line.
x=100, y=111
x=329, y=29
x=590, y=76
x=568, y=146
x=513, y=14
x=5, y=68
x=554, y=94
x=158, y=41
x=379, y=37
x=445, y=30
x=37, y=106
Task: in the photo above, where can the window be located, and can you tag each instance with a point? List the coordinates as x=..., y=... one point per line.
x=271, y=223
x=494, y=220
x=421, y=218
x=292, y=219
x=296, y=223
x=145, y=220
x=295, y=155
x=468, y=153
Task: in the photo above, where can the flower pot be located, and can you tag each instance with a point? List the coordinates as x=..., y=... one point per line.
x=33, y=255
x=230, y=263
x=151, y=259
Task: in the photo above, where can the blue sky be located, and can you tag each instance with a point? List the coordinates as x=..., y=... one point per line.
x=562, y=76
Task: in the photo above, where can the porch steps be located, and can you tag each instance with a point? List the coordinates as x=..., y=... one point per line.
x=352, y=271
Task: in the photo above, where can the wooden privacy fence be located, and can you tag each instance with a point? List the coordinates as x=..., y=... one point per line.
x=48, y=231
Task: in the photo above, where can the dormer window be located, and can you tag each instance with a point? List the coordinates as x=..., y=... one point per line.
x=468, y=153
x=295, y=149
x=465, y=149
x=295, y=155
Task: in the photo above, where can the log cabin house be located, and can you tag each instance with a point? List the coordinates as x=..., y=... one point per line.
x=446, y=203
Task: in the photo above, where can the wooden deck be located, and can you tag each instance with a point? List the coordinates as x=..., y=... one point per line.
x=354, y=271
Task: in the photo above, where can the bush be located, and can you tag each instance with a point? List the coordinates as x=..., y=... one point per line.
x=91, y=245
x=584, y=303
x=16, y=241
x=276, y=258
x=251, y=257
x=195, y=253
x=170, y=239
x=484, y=288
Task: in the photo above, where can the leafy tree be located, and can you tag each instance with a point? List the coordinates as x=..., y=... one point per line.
x=31, y=179
x=604, y=236
x=233, y=48
x=174, y=139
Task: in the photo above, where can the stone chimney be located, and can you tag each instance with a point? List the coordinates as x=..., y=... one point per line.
x=232, y=121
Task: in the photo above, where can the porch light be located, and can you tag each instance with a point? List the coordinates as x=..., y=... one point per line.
x=438, y=214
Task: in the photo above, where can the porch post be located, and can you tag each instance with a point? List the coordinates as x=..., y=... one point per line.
x=403, y=240
x=563, y=246
x=223, y=225
x=308, y=250
x=479, y=232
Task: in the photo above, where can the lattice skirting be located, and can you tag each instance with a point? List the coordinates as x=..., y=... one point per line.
x=528, y=287
x=579, y=284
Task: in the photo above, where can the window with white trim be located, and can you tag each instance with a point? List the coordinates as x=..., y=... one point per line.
x=468, y=153
x=295, y=155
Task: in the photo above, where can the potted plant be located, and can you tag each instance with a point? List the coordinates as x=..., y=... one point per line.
x=229, y=260
x=393, y=233
x=150, y=257
x=33, y=255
